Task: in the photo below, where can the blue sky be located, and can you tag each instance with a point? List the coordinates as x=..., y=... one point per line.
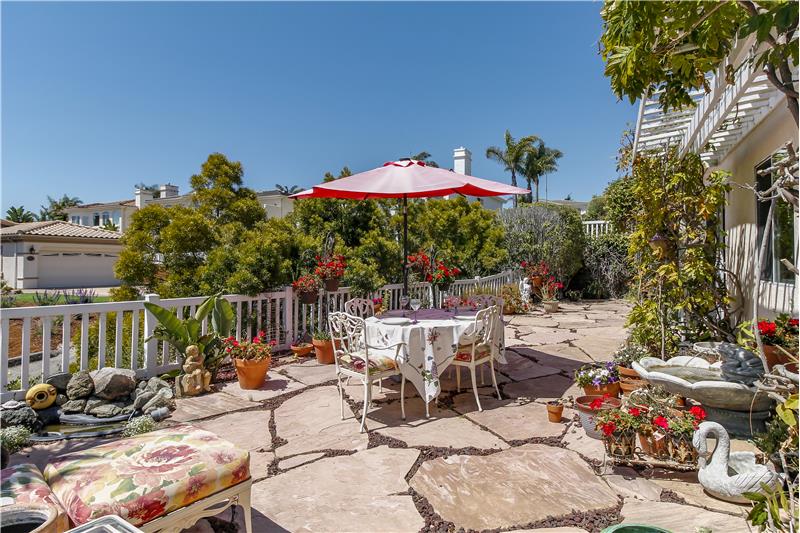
x=99, y=96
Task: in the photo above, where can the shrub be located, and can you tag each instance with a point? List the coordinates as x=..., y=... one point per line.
x=545, y=232
x=124, y=293
x=139, y=425
x=606, y=259
x=14, y=438
x=111, y=336
x=363, y=278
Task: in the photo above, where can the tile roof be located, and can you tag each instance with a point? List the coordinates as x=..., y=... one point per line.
x=58, y=228
x=100, y=204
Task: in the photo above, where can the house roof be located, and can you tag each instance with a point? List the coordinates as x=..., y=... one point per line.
x=103, y=204
x=5, y=223
x=56, y=228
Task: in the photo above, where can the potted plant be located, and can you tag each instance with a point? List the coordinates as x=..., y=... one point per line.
x=307, y=289
x=536, y=272
x=598, y=379
x=779, y=338
x=590, y=406
x=251, y=359
x=330, y=270
x=652, y=438
x=555, y=408
x=680, y=429
x=377, y=305
x=549, y=292
x=619, y=431
x=443, y=276
x=323, y=347
x=512, y=300
x=301, y=347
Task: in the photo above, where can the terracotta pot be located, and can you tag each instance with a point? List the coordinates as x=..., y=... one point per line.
x=302, y=350
x=626, y=372
x=628, y=386
x=536, y=281
x=251, y=373
x=653, y=445
x=620, y=443
x=612, y=389
x=587, y=414
x=324, y=351
x=554, y=412
x=776, y=356
x=550, y=306
x=307, y=298
x=332, y=285
x=681, y=450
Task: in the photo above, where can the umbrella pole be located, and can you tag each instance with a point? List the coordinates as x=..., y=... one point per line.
x=405, y=245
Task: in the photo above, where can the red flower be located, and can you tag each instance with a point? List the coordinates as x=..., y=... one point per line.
x=793, y=322
x=597, y=403
x=698, y=412
x=661, y=422
x=608, y=428
x=635, y=412
x=767, y=328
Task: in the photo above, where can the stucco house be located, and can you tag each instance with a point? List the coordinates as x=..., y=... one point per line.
x=739, y=127
x=56, y=254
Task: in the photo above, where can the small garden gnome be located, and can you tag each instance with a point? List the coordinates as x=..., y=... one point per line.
x=196, y=379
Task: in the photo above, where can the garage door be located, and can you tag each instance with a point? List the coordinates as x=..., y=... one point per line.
x=67, y=271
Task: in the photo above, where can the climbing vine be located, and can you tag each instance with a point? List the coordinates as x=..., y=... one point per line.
x=676, y=246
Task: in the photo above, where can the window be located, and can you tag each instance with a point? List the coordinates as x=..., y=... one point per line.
x=106, y=218
x=96, y=219
x=781, y=241
x=75, y=219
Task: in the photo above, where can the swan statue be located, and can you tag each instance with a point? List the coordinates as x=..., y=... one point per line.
x=729, y=475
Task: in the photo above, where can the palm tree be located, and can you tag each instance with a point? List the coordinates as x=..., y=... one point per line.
x=55, y=208
x=425, y=158
x=288, y=190
x=19, y=214
x=152, y=188
x=538, y=162
x=513, y=155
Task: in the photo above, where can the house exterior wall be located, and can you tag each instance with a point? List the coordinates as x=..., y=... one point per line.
x=57, y=265
x=118, y=214
x=740, y=214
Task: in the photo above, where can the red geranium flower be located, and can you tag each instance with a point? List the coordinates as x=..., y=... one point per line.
x=661, y=422
x=608, y=428
x=635, y=412
x=767, y=328
x=698, y=412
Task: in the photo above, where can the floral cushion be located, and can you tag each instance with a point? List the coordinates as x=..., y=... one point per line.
x=24, y=485
x=378, y=362
x=465, y=352
x=147, y=476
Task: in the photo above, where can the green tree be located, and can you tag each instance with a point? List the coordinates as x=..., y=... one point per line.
x=621, y=203
x=287, y=190
x=153, y=189
x=425, y=157
x=512, y=155
x=19, y=214
x=218, y=192
x=670, y=46
x=56, y=208
x=110, y=226
x=540, y=160
x=596, y=210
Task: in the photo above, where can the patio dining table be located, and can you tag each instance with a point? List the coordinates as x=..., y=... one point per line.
x=431, y=342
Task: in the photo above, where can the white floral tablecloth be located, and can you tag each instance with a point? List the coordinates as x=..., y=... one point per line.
x=431, y=344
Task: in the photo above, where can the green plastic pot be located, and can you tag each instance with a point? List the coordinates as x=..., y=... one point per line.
x=634, y=528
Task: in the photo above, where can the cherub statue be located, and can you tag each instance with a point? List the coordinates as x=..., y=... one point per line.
x=525, y=290
x=196, y=379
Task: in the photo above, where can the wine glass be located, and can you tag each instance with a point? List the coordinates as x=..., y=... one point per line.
x=404, y=303
x=415, y=305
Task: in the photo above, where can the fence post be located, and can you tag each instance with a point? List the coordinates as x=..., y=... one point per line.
x=150, y=345
x=288, y=314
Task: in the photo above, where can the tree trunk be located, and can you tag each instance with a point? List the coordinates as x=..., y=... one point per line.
x=530, y=190
x=536, y=183
x=514, y=183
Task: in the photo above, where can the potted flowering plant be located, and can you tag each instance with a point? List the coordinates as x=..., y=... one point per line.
x=590, y=406
x=680, y=430
x=619, y=431
x=301, y=347
x=307, y=288
x=420, y=263
x=548, y=291
x=377, y=305
x=443, y=276
x=779, y=338
x=251, y=359
x=451, y=303
x=323, y=347
x=598, y=379
x=535, y=272
x=330, y=270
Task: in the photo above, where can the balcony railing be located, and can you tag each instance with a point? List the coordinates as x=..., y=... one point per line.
x=596, y=228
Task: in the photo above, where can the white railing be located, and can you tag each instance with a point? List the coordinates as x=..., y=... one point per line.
x=117, y=334
x=596, y=228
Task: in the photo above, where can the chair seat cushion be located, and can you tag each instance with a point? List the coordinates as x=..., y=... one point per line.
x=146, y=476
x=465, y=352
x=378, y=362
x=24, y=485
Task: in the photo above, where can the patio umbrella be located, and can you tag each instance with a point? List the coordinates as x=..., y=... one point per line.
x=406, y=179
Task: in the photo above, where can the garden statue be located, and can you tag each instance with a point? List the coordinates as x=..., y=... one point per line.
x=525, y=290
x=727, y=475
x=196, y=379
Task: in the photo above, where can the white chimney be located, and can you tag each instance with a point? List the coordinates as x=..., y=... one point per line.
x=167, y=191
x=143, y=196
x=462, y=161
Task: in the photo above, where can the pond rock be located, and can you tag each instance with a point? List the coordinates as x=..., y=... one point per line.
x=50, y=415
x=163, y=398
x=74, y=406
x=80, y=385
x=59, y=381
x=61, y=399
x=142, y=398
x=106, y=410
x=23, y=415
x=112, y=383
x=92, y=403
x=155, y=384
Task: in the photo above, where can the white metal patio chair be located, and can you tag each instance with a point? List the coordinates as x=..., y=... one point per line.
x=482, y=301
x=355, y=358
x=476, y=349
x=360, y=307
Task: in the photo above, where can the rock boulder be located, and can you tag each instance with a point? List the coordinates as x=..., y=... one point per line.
x=59, y=381
x=21, y=416
x=80, y=385
x=112, y=383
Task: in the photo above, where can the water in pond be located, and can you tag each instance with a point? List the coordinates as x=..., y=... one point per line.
x=690, y=374
x=22, y=527
x=67, y=429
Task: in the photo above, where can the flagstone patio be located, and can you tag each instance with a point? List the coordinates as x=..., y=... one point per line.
x=504, y=468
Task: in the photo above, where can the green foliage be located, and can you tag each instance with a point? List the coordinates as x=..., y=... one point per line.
x=670, y=46
x=56, y=208
x=512, y=155
x=596, y=210
x=110, y=226
x=680, y=289
x=19, y=214
x=14, y=438
x=621, y=204
x=606, y=258
x=139, y=425
x=110, y=342
x=545, y=232
x=124, y=293
x=540, y=160
x=363, y=278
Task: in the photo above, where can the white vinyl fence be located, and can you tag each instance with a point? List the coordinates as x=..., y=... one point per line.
x=596, y=228
x=67, y=338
